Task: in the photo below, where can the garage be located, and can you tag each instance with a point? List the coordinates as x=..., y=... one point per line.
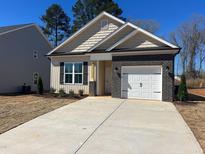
x=141, y=82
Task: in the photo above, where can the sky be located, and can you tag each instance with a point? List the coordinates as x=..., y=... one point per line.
x=170, y=14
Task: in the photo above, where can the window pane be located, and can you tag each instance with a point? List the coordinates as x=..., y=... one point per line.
x=35, y=78
x=78, y=68
x=68, y=68
x=68, y=78
x=78, y=78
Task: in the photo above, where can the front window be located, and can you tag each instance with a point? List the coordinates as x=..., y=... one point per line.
x=35, y=54
x=35, y=78
x=69, y=73
x=74, y=73
x=104, y=24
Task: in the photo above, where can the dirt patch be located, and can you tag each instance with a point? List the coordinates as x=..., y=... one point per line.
x=194, y=115
x=16, y=110
x=200, y=92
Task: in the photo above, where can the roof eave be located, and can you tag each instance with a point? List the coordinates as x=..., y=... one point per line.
x=124, y=51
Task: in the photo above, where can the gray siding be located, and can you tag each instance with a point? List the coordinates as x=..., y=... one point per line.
x=164, y=60
x=17, y=64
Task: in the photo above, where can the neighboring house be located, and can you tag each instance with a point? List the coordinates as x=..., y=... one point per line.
x=111, y=57
x=22, y=57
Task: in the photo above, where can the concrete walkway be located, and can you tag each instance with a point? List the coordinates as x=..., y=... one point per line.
x=104, y=126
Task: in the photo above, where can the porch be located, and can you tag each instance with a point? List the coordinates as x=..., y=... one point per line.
x=101, y=78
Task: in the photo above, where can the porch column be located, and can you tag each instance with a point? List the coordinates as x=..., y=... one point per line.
x=92, y=82
x=98, y=78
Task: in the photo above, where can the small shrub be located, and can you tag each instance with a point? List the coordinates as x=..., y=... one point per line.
x=71, y=93
x=40, y=86
x=80, y=92
x=182, y=92
x=62, y=92
x=52, y=90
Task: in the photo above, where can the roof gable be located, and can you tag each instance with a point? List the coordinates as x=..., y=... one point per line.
x=9, y=29
x=76, y=35
x=90, y=37
x=137, y=40
x=113, y=38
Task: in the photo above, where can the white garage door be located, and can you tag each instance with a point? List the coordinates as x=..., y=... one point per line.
x=142, y=82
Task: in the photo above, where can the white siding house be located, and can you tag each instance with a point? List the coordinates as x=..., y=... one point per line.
x=109, y=56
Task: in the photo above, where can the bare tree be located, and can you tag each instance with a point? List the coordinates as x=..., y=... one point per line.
x=190, y=36
x=150, y=25
x=178, y=39
x=201, y=58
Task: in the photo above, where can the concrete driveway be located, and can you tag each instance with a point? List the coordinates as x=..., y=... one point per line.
x=104, y=126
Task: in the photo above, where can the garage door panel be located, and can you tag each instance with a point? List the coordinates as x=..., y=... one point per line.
x=134, y=86
x=146, y=94
x=142, y=82
x=147, y=90
x=134, y=95
x=156, y=78
x=146, y=78
x=132, y=78
x=156, y=95
x=156, y=87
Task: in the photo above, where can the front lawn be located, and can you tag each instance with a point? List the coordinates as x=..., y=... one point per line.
x=16, y=110
x=193, y=113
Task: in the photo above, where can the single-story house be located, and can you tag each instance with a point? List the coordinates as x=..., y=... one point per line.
x=111, y=57
x=22, y=58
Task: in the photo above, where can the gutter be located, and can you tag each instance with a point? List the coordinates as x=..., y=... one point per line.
x=122, y=51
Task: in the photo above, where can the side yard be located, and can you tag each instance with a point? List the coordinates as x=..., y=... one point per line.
x=193, y=113
x=198, y=92
x=16, y=110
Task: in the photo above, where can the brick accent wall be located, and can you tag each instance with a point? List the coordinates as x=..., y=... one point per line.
x=144, y=60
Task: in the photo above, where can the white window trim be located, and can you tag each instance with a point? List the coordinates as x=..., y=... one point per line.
x=105, y=27
x=34, y=78
x=73, y=73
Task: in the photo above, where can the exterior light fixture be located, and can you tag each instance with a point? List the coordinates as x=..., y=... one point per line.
x=167, y=69
x=116, y=69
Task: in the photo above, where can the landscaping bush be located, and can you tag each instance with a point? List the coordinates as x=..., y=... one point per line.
x=80, y=92
x=52, y=91
x=40, y=86
x=71, y=93
x=182, y=91
x=62, y=92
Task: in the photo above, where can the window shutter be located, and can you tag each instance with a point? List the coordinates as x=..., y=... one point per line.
x=61, y=72
x=85, y=73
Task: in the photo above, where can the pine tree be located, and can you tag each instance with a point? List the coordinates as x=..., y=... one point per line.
x=56, y=24
x=182, y=92
x=86, y=10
